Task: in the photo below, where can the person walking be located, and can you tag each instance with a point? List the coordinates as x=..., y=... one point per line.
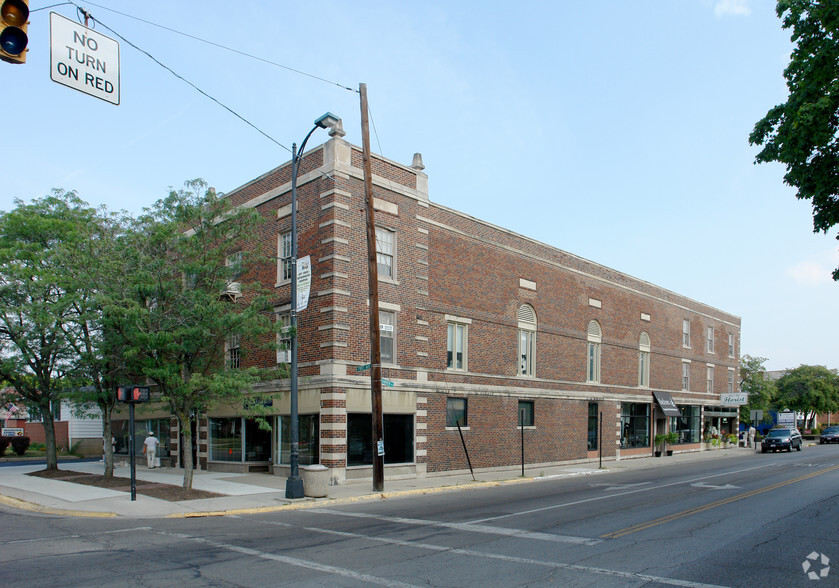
x=150, y=449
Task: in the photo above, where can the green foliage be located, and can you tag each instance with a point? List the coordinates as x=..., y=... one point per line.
x=761, y=390
x=672, y=438
x=809, y=388
x=659, y=440
x=803, y=132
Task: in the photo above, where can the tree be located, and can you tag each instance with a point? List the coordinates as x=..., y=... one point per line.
x=810, y=389
x=803, y=132
x=98, y=273
x=38, y=301
x=761, y=390
x=177, y=321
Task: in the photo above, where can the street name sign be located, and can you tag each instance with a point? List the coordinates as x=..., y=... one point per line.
x=387, y=382
x=82, y=59
x=361, y=368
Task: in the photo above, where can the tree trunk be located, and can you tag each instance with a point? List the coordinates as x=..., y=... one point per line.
x=186, y=448
x=107, y=441
x=49, y=438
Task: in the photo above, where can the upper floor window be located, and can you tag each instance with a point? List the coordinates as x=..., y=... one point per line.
x=685, y=375
x=731, y=345
x=527, y=340
x=387, y=336
x=386, y=252
x=731, y=380
x=709, y=379
x=284, y=255
x=686, y=333
x=594, y=338
x=644, y=361
x=710, y=339
x=284, y=337
x=232, y=351
x=234, y=262
x=456, y=346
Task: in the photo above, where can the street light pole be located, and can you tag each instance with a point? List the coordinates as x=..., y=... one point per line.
x=294, y=483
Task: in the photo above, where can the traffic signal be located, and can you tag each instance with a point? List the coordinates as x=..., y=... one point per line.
x=14, y=16
x=132, y=394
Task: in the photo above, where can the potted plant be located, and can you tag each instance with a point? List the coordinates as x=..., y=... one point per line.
x=671, y=438
x=732, y=440
x=659, y=442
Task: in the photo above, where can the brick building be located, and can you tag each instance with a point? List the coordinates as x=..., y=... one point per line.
x=480, y=327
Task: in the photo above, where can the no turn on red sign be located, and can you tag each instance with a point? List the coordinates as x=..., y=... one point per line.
x=83, y=59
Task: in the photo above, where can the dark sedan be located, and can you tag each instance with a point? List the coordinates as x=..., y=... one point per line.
x=779, y=439
x=830, y=435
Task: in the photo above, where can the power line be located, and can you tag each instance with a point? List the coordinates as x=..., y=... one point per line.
x=180, y=77
x=232, y=50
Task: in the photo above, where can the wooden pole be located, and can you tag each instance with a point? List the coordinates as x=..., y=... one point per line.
x=373, y=287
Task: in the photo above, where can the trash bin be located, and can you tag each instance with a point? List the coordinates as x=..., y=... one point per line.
x=315, y=480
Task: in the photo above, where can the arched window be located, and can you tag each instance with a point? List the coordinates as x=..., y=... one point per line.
x=644, y=361
x=594, y=339
x=527, y=340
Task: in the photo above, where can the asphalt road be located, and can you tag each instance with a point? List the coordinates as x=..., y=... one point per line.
x=750, y=521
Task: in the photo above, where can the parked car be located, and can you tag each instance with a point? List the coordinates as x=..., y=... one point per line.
x=778, y=439
x=830, y=435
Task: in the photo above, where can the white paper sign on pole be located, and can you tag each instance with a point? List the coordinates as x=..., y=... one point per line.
x=304, y=282
x=83, y=59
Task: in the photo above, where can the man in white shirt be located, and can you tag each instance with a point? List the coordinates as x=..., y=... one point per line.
x=150, y=449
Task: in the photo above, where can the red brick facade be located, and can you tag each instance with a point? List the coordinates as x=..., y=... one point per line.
x=452, y=267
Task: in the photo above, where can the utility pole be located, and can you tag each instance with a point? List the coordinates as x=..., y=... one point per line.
x=373, y=287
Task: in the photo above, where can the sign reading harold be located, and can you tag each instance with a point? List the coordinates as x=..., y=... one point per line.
x=83, y=59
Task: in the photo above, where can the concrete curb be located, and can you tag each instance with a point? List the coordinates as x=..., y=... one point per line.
x=24, y=505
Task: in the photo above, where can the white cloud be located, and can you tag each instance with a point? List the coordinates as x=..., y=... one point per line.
x=815, y=272
x=732, y=7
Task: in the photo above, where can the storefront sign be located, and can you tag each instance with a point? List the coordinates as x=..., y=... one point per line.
x=735, y=399
x=667, y=404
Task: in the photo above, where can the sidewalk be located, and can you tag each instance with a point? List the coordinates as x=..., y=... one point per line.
x=250, y=493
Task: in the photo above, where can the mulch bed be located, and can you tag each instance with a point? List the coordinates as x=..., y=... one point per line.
x=152, y=489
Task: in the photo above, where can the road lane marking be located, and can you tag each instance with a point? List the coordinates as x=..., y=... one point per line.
x=507, y=558
x=292, y=561
x=723, y=502
x=609, y=496
x=713, y=487
x=470, y=527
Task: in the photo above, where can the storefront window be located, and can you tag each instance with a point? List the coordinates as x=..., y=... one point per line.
x=686, y=425
x=398, y=438
x=226, y=439
x=160, y=428
x=308, y=439
x=635, y=424
x=232, y=438
x=592, y=426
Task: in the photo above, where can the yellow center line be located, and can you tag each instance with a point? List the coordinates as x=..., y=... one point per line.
x=724, y=501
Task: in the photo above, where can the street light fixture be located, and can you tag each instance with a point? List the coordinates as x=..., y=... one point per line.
x=294, y=483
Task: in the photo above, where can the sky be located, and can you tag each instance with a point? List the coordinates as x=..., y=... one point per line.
x=616, y=130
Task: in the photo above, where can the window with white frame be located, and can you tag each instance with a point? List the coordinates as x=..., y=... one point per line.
x=686, y=333
x=731, y=345
x=731, y=380
x=593, y=352
x=284, y=257
x=709, y=379
x=685, y=375
x=386, y=252
x=527, y=340
x=456, y=345
x=284, y=337
x=387, y=336
x=232, y=351
x=644, y=361
x=234, y=263
x=710, y=339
